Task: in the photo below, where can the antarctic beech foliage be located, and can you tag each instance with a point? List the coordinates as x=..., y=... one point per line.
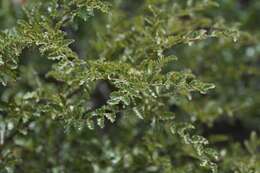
x=142, y=86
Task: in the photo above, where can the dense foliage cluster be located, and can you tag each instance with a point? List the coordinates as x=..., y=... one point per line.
x=129, y=86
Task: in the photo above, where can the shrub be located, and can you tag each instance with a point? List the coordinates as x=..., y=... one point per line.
x=129, y=86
